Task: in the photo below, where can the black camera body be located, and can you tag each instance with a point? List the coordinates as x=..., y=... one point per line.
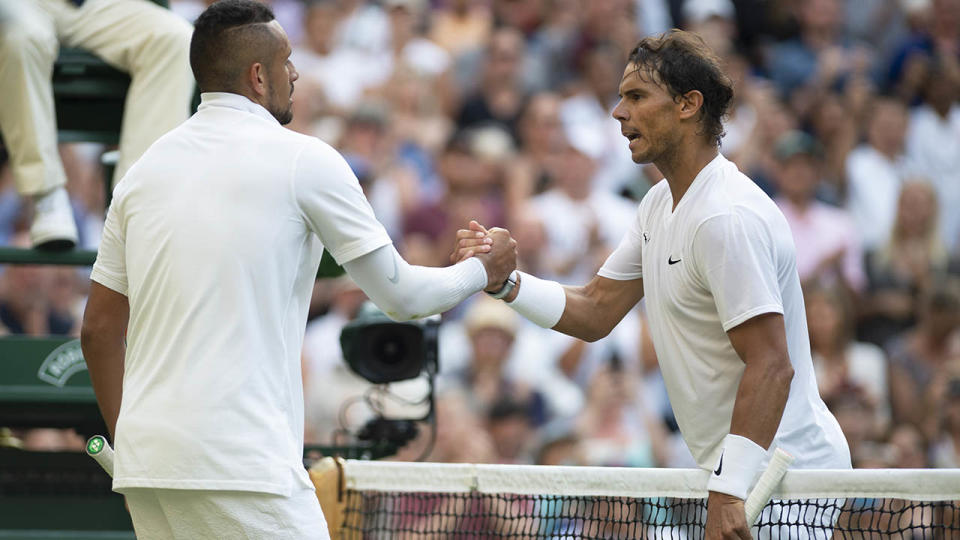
x=383, y=351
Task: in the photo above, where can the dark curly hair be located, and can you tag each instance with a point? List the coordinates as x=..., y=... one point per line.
x=682, y=62
x=226, y=36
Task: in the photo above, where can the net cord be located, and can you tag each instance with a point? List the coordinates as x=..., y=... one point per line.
x=909, y=484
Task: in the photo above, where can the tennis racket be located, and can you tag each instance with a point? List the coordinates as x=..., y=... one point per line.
x=99, y=449
x=767, y=484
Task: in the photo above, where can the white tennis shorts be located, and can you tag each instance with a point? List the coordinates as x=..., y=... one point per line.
x=187, y=514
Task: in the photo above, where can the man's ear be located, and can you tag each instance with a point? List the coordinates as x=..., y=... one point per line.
x=257, y=78
x=690, y=104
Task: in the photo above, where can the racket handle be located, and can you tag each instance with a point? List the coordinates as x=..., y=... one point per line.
x=767, y=484
x=99, y=449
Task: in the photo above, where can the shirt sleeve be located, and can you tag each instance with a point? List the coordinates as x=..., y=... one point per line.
x=110, y=268
x=735, y=257
x=334, y=207
x=626, y=263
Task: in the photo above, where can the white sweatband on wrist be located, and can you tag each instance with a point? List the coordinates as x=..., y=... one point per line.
x=539, y=300
x=737, y=468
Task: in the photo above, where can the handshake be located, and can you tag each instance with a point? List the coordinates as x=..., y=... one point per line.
x=495, y=248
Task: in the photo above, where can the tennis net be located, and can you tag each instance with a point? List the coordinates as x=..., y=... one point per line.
x=438, y=501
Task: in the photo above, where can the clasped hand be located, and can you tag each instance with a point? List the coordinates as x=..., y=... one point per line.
x=495, y=248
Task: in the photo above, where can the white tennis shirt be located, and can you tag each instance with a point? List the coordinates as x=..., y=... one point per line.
x=215, y=236
x=723, y=256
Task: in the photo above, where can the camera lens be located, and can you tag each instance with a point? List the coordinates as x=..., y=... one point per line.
x=390, y=349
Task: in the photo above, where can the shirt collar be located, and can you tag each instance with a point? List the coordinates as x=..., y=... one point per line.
x=234, y=101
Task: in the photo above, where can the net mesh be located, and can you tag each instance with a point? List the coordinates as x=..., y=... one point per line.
x=465, y=506
x=385, y=515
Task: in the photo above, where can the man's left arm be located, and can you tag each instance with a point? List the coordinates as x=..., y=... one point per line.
x=735, y=255
x=761, y=343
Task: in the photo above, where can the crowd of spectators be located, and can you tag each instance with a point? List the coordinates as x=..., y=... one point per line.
x=845, y=113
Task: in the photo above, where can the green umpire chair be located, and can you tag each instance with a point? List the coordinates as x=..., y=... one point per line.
x=43, y=381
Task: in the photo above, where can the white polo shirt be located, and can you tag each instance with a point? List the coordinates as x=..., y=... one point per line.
x=215, y=236
x=723, y=256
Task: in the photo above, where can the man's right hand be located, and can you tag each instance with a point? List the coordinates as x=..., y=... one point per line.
x=494, y=248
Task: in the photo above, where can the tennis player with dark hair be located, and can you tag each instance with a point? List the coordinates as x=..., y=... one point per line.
x=716, y=260
x=197, y=310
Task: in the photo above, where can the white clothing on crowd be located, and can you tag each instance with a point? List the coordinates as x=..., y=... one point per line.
x=873, y=187
x=570, y=238
x=933, y=149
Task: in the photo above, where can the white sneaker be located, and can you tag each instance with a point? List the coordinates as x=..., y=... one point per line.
x=53, y=225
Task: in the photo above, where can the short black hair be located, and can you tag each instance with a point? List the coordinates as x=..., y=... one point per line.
x=683, y=62
x=222, y=39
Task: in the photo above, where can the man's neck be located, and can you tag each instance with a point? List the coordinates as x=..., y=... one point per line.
x=682, y=166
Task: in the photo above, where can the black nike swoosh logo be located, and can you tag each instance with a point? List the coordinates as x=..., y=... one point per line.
x=720, y=466
x=671, y=261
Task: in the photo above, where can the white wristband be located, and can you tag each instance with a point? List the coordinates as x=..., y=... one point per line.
x=540, y=300
x=737, y=468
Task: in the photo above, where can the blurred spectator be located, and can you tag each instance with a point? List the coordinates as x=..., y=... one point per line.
x=923, y=359
x=616, y=427
x=501, y=93
x=875, y=172
x=551, y=48
x=461, y=435
x=541, y=141
x=905, y=266
x=390, y=184
x=714, y=21
x=559, y=445
x=835, y=120
x=821, y=56
x=38, y=300
x=945, y=452
x=364, y=27
x=589, y=124
x=856, y=413
x=841, y=363
x=492, y=329
x=332, y=80
x=742, y=117
x=933, y=146
x=934, y=44
x=52, y=440
x=523, y=15
x=461, y=26
x=471, y=168
x=411, y=50
x=909, y=446
x=827, y=243
x=882, y=24
x=511, y=430
x=593, y=220
x=756, y=156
